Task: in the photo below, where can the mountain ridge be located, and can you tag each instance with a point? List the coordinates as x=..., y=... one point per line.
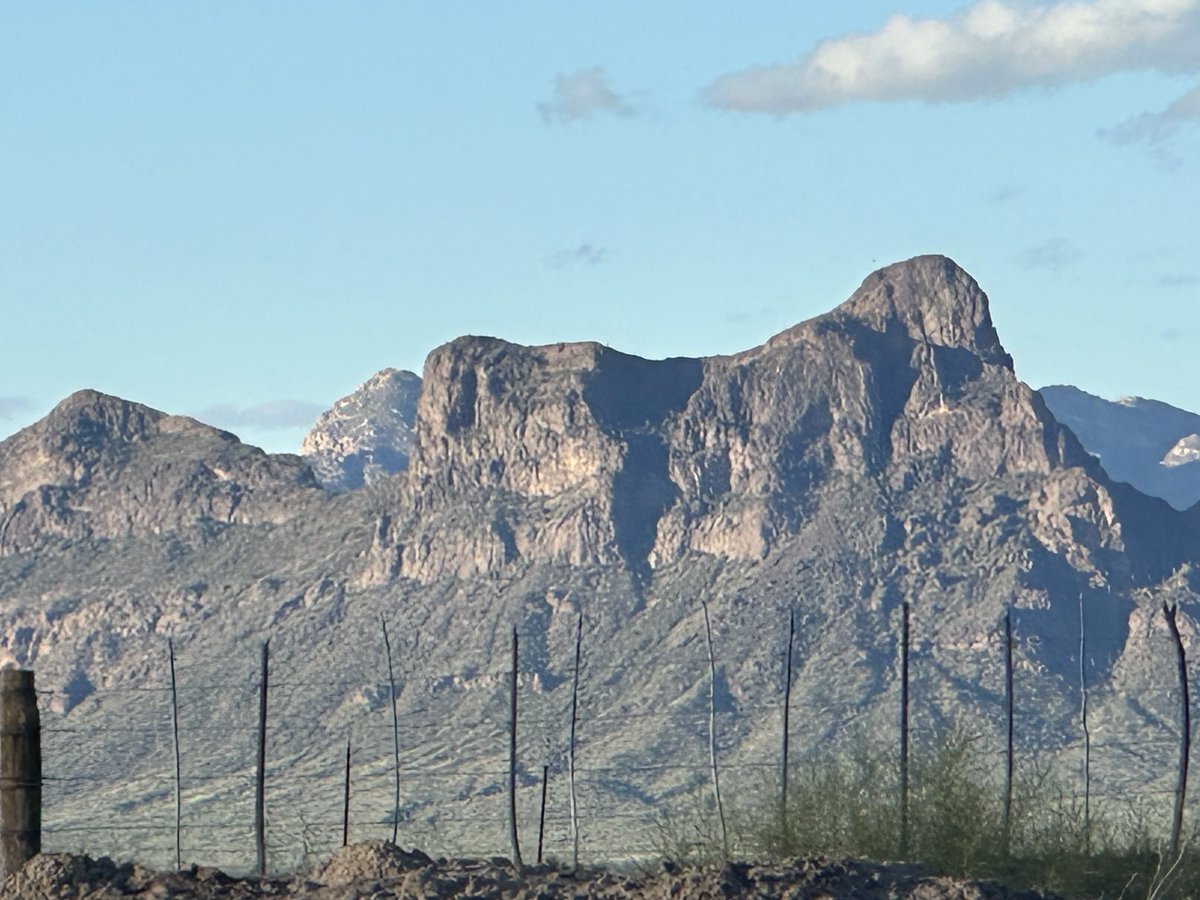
x=881, y=454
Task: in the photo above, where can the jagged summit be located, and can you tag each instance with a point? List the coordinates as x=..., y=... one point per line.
x=927, y=299
x=92, y=413
x=366, y=433
x=935, y=300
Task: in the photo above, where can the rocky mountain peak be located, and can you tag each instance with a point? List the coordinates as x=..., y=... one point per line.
x=367, y=432
x=89, y=417
x=99, y=466
x=930, y=299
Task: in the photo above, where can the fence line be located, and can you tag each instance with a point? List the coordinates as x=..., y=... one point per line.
x=431, y=772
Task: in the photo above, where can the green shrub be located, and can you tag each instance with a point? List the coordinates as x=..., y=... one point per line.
x=849, y=805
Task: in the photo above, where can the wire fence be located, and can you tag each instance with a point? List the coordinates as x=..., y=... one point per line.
x=110, y=780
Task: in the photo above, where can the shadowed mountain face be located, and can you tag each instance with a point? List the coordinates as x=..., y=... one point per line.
x=1151, y=445
x=879, y=454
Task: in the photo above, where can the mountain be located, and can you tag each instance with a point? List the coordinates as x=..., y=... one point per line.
x=100, y=466
x=366, y=434
x=1147, y=443
x=879, y=455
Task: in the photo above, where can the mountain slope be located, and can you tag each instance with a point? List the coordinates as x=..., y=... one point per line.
x=881, y=454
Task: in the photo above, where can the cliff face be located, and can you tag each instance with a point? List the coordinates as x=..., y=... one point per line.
x=101, y=467
x=579, y=454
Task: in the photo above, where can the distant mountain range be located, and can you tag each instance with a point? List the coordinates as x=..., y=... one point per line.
x=1147, y=443
x=881, y=454
x=366, y=434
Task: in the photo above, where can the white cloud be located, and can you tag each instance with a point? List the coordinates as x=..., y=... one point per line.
x=989, y=49
x=1155, y=127
x=580, y=95
x=274, y=414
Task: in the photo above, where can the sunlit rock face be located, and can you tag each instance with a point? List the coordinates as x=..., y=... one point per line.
x=580, y=454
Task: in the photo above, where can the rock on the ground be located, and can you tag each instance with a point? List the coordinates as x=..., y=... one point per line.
x=379, y=869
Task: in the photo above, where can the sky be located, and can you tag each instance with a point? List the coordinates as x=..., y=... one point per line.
x=240, y=211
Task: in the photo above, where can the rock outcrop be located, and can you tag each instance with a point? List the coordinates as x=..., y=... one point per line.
x=367, y=434
x=582, y=455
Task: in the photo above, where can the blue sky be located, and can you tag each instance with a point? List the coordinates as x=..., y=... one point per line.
x=240, y=211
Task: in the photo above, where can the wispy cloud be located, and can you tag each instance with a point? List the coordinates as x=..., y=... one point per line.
x=1053, y=255
x=580, y=95
x=585, y=254
x=1006, y=193
x=989, y=49
x=274, y=414
x=738, y=316
x=1153, y=127
x=1178, y=279
x=12, y=405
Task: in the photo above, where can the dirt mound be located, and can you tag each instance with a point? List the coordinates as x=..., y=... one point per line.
x=65, y=876
x=382, y=870
x=370, y=861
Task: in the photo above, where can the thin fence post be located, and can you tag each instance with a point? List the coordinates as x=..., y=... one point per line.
x=20, y=770
x=1009, y=758
x=1087, y=734
x=571, y=745
x=1185, y=728
x=178, y=767
x=395, y=732
x=542, y=815
x=346, y=800
x=260, y=828
x=904, y=734
x=712, y=730
x=787, y=706
x=512, y=759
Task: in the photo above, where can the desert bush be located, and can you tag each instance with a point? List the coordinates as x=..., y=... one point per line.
x=849, y=805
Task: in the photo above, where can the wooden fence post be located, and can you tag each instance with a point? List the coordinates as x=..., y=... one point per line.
x=571, y=746
x=542, y=815
x=712, y=731
x=20, y=770
x=387, y=645
x=1087, y=734
x=1008, y=756
x=904, y=734
x=1185, y=728
x=512, y=761
x=787, y=705
x=260, y=827
x=178, y=765
x=346, y=800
